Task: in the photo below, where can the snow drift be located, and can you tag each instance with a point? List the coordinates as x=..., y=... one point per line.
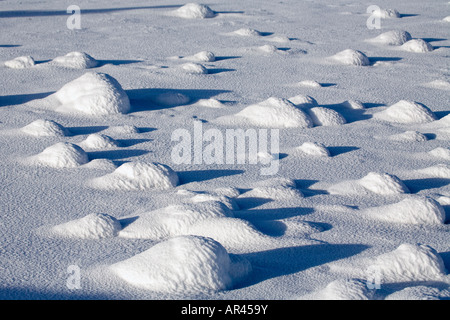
x=313, y=149
x=326, y=117
x=185, y=264
x=61, y=155
x=45, y=128
x=20, y=62
x=406, y=111
x=346, y=289
x=351, y=57
x=76, y=60
x=194, y=11
x=417, y=45
x=392, y=38
x=92, y=226
x=98, y=141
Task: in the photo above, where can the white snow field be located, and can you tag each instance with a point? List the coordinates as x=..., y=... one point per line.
x=116, y=162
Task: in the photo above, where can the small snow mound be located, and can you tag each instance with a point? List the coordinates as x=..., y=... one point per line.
x=314, y=149
x=273, y=193
x=125, y=129
x=210, y=103
x=351, y=57
x=386, y=13
x=409, y=136
x=247, y=32
x=410, y=262
x=406, y=111
x=92, y=226
x=93, y=94
x=272, y=113
x=347, y=289
x=20, y=62
x=353, y=104
x=171, y=99
x=439, y=152
x=138, y=176
x=420, y=293
x=438, y=171
x=194, y=68
x=446, y=19
x=279, y=38
x=62, y=155
x=230, y=192
x=414, y=209
x=98, y=141
x=268, y=48
x=45, y=128
x=194, y=11
x=185, y=264
x=101, y=164
x=228, y=201
x=392, y=38
x=439, y=84
x=417, y=45
x=76, y=60
x=204, y=56
x=303, y=101
x=310, y=84
x=326, y=117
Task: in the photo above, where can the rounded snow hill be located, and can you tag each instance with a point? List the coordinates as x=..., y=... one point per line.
x=414, y=209
x=194, y=11
x=228, y=201
x=310, y=84
x=303, y=101
x=204, y=56
x=194, y=68
x=353, y=104
x=62, y=155
x=275, y=189
x=247, y=32
x=392, y=38
x=446, y=19
x=346, y=289
x=326, y=117
x=410, y=262
x=417, y=45
x=313, y=149
x=171, y=99
x=406, y=111
x=185, y=264
x=438, y=171
x=98, y=141
x=351, y=57
x=271, y=113
x=386, y=13
x=439, y=152
x=409, y=136
x=92, y=226
x=268, y=48
x=138, y=176
x=76, y=60
x=20, y=62
x=93, y=94
x=373, y=182
x=45, y=128
x=439, y=84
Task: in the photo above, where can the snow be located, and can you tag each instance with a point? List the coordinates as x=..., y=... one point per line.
x=361, y=165
x=386, y=13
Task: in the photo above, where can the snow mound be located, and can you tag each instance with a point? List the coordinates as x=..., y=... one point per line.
x=272, y=113
x=125, y=129
x=93, y=94
x=101, y=164
x=247, y=32
x=171, y=99
x=194, y=68
x=446, y=19
x=351, y=57
x=275, y=189
x=210, y=103
x=226, y=200
x=20, y=62
x=346, y=289
x=353, y=104
x=414, y=209
x=194, y=11
x=392, y=38
x=303, y=101
x=45, y=128
x=406, y=111
x=439, y=84
x=314, y=149
x=310, y=84
x=417, y=45
x=62, y=155
x=420, y=293
x=174, y=220
x=410, y=262
x=185, y=264
x=326, y=117
x=374, y=182
x=386, y=13
x=92, y=226
x=204, y=56
x=138, y=176
x=268, y=48
x=439, y=152
x=98, y=141
x=409, y=136
x=437, y=171
x=76, y=60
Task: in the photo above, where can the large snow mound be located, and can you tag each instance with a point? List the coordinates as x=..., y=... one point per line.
x=410, y=262
x=186, y=264
x=392, y=38
x=92, y=226
x=271, y=113
x=406, y=111
x=20, y=62
x=92, y=94
x=326, y=117
x=194, y=11
x=373, y=182
x=138, y=176
x=417, y=45
x=414, y=209
x=76, y=60
x=61, y=155
x=45, y=128
x=351, y=57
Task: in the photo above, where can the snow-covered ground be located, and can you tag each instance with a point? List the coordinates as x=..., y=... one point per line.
x=345, y=197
